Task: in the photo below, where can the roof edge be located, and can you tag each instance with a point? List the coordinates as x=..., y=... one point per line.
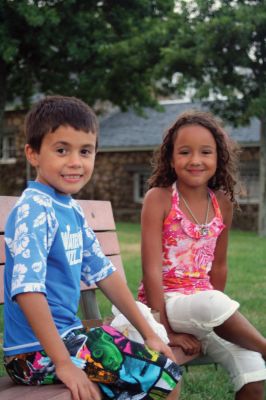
x=126, y=149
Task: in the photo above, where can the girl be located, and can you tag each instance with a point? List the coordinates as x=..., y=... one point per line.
x=186, y=217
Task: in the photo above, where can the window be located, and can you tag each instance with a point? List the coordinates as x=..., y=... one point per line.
x=8, y=149
x=140, y=185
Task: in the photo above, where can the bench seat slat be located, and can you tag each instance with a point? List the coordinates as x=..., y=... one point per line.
x=9, y=391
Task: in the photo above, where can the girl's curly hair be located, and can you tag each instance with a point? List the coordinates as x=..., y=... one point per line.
x=225, y=177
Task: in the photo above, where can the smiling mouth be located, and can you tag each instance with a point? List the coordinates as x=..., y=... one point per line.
x=72, y=177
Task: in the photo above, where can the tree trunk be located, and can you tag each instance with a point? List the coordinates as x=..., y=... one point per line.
x=262, y=203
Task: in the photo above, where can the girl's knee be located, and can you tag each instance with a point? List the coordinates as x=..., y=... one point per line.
x=213, y=307
x=251, y=391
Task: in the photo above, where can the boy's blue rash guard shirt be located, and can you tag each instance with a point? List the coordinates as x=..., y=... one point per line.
x=49, y=248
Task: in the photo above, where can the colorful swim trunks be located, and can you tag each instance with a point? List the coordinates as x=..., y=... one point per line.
x=122, y=368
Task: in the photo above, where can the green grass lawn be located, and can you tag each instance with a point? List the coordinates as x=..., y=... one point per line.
x=246, y=284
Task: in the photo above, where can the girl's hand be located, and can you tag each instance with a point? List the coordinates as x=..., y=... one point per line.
x=81, y=387
x=155, y=343
x=189, y=344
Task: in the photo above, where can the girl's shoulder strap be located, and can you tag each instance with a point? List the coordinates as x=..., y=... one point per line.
x=175, y=195
x=215, y=204
x=174, y=212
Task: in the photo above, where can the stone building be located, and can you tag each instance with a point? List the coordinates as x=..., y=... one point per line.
x=123, y=162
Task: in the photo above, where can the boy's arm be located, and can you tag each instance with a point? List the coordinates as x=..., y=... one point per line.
x=116, y=290
x=37, y=312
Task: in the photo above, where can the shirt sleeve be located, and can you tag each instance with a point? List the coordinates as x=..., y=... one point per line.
x=29, y=245
x=96, y=266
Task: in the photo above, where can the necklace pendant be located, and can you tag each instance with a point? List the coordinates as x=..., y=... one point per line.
x=204, y=230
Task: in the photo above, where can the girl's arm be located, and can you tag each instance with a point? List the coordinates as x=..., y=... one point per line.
x=218, y=272
x=157, y=204
x=37, y=312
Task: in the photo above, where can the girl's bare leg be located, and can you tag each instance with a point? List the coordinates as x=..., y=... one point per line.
x=237, y=329
x=174, y=395
x=251, y=391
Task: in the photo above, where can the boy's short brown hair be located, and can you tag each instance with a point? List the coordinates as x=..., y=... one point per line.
x=53, y=111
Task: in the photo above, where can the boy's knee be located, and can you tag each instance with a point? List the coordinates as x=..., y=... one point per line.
x=174, y=395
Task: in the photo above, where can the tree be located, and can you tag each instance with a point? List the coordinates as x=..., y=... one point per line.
x=97, y=50
x=220, y=52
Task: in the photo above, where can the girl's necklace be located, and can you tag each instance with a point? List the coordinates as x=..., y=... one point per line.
x=204, y=229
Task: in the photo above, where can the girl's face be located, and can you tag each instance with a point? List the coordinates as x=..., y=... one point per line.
x=194, y=156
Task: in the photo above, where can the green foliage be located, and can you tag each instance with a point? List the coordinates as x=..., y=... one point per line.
x=92, y=49
x=220, y=51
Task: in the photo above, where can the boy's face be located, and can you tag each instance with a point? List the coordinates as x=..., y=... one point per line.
x=66, y=159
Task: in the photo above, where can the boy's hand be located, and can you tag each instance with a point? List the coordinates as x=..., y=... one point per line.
x=81, y=387
x=155, y=343
x=189, y=344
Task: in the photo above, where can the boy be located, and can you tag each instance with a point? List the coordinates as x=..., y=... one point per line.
x=49, y=248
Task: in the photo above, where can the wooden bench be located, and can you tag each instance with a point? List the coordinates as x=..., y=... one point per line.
x=100, y=217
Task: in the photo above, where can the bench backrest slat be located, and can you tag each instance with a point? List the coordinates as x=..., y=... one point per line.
x=1, y=284
x=99, y=213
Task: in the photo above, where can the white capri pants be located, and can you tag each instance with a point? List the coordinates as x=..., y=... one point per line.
x=198, y=314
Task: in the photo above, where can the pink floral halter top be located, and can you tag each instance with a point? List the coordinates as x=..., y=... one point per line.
x=187, y=251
